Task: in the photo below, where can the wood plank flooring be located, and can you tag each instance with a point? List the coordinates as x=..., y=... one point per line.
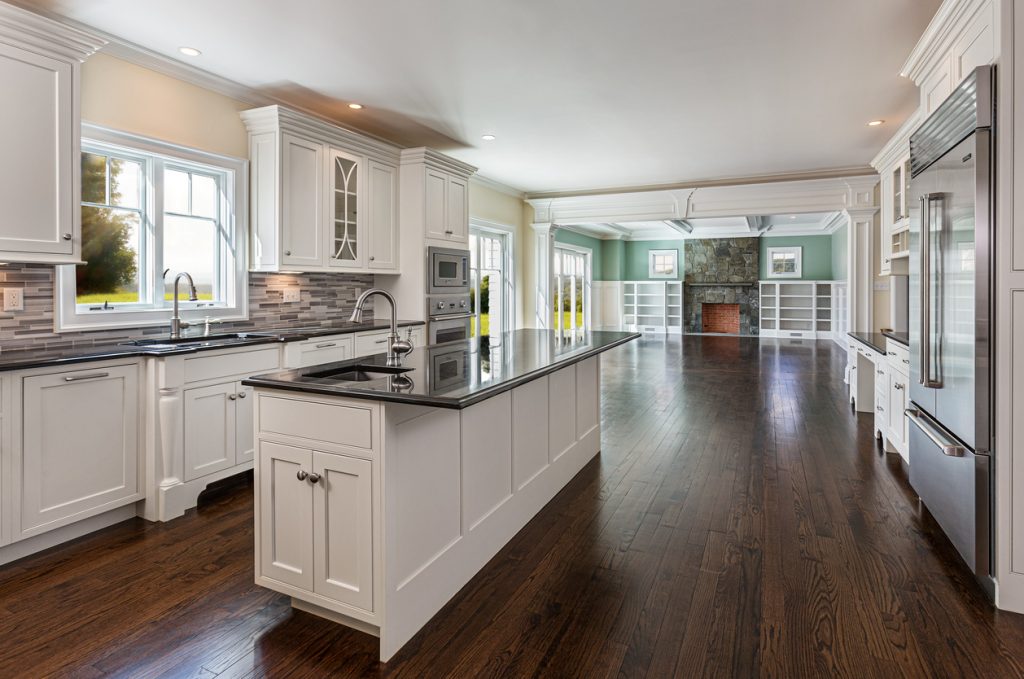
x=739, y=522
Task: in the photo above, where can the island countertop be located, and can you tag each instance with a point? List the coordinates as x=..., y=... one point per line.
x=454, y=375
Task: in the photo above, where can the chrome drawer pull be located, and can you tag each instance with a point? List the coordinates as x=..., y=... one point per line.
x=326, y=345
x=92, y=376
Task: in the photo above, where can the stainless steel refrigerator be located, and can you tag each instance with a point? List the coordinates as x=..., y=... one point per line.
x=951, y=226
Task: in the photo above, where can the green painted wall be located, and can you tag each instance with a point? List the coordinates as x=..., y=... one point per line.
x=817, y=255
x=635, y=268
x=593, y=244
x=839, y=252
x=613, y=260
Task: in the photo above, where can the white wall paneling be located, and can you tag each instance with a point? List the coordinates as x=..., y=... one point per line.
x=530, y=431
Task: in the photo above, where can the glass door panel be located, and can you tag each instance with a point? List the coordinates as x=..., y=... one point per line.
x=346, y=250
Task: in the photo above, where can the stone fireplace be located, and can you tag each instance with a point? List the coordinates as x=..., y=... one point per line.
x=721, y=278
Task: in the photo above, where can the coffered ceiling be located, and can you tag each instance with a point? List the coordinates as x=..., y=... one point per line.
x=807, y=224
x=580, y=94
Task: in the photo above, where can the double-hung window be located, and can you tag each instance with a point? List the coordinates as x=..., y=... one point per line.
x=151, y=210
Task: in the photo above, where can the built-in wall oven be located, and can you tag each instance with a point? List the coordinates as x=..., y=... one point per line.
x=449, y=318
x=447, y=271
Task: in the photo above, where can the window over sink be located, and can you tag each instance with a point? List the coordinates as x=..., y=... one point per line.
x=149, y=211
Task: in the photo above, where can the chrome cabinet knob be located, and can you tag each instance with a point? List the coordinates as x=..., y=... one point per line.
x=241, y=394
x=67, y=236
x=372, y=258
x=898, y=386
x=288, y=253
x=314, y=478
x=301, y=475
x=232, y=397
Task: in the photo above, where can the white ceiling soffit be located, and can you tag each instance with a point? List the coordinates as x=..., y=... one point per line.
x=769, y=226
x=611, y=94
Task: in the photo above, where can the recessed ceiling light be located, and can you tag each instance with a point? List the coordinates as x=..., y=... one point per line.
x=875, y=123
x=488, y=137
x=355, y=106
x=792, y=216
x=189, y=51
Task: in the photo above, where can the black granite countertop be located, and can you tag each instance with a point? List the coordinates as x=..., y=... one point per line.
x=21, y=359
x=876, y=340
x=486, y=370
x=901, y=337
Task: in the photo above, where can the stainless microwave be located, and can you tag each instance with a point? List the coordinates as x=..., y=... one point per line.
x=447, y=270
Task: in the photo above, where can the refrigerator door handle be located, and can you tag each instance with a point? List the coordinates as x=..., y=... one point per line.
x=925, y=277
x=948, y=447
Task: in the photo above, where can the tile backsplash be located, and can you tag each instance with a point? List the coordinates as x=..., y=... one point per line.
x=325, y=297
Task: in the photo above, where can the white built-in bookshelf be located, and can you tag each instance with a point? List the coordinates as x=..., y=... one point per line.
x=652, y=306
x=801, y=309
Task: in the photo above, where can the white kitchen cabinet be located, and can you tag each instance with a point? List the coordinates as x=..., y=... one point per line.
x=218, y=428
x=302, y=171
x=382, y=206
x=315, y=523
x=318, y=351
x=882, y=402
x=458, y=209
x=936, y=86
x=435, y=197
x=322, y=198
x=897, y=421
x=343, y=529
x=285, y=515
x=80, y=445
x=376, y=341
x=40, y=190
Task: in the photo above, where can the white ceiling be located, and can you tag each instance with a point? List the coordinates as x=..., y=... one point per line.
x=807, y=224
x=581, y=94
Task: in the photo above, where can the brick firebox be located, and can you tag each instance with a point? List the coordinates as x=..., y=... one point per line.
x=723, y=318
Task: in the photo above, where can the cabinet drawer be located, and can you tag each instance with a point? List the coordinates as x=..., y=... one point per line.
x=346, y=425
x=898, y=356
x=325, y=350
x=371, y=343
x=211, y=366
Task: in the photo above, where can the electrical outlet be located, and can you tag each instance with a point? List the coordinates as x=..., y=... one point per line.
x=14, y=299
x=292, y=294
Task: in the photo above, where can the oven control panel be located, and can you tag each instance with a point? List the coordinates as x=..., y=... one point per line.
x=448, y=305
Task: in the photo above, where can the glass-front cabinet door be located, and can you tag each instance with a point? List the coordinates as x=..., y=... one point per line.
x=345, y=235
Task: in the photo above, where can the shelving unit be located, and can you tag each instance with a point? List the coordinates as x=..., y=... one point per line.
x=653, y=306
x=800, y=309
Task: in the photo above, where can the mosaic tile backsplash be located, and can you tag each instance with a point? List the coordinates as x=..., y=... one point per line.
x=325, y=297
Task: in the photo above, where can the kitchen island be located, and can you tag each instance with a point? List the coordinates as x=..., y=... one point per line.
x=380, y=493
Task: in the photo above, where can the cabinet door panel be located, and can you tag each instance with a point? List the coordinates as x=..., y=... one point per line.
x=343, y=529
x=435, y=204
x=458, y=209
x=40, y=146
x=209, y=429
x=285, y=515
x=382, y=219
x=346, y=225
x=244, y=423
x=936, y=87
x=81, y=438
x=302, y=204
x=897, y=404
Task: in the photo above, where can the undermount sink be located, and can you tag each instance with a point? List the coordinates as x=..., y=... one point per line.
x=359, y=373
x=179, y=342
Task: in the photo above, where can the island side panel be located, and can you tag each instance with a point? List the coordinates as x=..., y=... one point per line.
x=427, y=458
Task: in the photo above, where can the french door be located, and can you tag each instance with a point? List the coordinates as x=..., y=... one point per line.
x=490, y=283
x=571, y=291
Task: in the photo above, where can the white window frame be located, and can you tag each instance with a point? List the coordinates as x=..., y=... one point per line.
x=651, y=254
x=71, y=316
x=485, y=227
x=588, y=285
x=786, y=250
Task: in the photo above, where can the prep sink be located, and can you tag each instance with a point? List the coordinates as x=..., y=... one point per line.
x=358, y=373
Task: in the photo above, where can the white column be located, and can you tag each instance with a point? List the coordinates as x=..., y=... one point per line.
x=860, y=269
x=544, y=240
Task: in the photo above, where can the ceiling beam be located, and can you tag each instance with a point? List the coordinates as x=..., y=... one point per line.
x=757, y=224
x=617, y=229
x=679, y=225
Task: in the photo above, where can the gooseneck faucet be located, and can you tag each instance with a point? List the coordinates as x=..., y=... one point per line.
x=397, y=347
x=176, y=323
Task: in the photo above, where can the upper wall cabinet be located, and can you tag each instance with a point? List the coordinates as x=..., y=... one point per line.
x=40, y=60
x=435, y=193
x=323, y=198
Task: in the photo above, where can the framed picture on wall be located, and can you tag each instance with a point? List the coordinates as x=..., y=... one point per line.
x=663, y=263
x=785, y=262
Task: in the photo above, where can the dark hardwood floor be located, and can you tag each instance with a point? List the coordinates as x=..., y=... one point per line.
x=739, y=522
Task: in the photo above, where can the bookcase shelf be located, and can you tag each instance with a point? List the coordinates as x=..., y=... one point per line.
x=653, y=306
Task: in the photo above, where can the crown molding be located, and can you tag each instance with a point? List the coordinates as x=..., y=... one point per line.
x=427, y=156
x=274, y=117
x=898, y=146
x=495, y=185
x=44, y=35
x=831, y=173
x=949, y=22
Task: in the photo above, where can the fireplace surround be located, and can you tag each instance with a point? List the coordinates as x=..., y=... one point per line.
x=722, y=271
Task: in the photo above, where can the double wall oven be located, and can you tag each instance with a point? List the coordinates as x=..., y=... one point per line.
x=449, y=313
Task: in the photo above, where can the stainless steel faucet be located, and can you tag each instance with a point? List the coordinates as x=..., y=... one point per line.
x=397, y=347
x=177, y=325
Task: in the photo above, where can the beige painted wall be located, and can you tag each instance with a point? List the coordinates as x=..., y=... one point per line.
x=494, y=206
x=123, y=96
